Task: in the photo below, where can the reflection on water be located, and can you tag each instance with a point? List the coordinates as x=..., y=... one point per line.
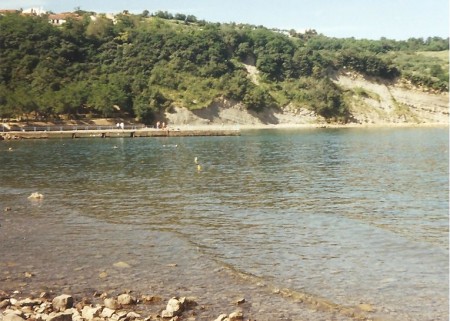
x=352, y=216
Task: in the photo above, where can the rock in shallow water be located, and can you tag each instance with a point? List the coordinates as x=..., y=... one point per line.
x=125, y=299
x=174, y=308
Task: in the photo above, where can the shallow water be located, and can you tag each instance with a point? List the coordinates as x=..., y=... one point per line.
x=346, y=216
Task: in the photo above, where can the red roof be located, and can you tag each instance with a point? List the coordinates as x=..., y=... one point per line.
x=9, y=11
x=63, y=16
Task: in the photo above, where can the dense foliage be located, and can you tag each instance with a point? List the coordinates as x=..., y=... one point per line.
x=142, y=64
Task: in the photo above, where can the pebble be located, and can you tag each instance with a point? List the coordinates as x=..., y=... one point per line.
x=102, y=275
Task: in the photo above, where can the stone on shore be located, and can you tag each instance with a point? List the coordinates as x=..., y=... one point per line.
x=4, y=303
x=111, y=303
x=222, y=317
x=63, y=308
x=174, y=308
x=29, y=302
x=88, y=312
x=126, y=299
x=133, y=315
x=236, y=316
x=107, y=313
x=13, y=317
x=62, y=302
x=60, y=316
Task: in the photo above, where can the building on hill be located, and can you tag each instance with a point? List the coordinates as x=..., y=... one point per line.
x=61, y=18
x=8, y=11
x=34, y=11
x=26, y=12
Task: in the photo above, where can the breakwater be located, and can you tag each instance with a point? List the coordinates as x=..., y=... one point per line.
x=116, y=133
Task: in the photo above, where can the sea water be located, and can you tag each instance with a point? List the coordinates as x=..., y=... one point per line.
x=285, y=218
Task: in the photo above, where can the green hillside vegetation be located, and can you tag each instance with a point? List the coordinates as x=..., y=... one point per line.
x=143, y=64
x=424, y=68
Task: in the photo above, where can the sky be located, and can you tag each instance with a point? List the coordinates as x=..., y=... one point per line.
x=361, y=19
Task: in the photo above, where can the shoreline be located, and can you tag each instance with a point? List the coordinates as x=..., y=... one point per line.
x=140, y=130
x=320, y=126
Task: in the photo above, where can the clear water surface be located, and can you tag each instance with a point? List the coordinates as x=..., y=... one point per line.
x=348, y=216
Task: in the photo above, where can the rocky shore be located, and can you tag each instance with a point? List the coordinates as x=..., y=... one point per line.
x=103, y=307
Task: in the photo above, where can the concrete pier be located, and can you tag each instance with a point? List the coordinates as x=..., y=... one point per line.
x=115, y=133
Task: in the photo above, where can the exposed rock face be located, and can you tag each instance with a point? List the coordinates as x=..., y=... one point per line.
x=380, y=102
x=391, y=102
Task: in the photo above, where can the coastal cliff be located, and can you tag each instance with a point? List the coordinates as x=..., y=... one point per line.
x=372, y=103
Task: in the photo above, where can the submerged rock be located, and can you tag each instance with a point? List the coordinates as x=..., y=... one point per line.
x=122, y=265
x=36, y=196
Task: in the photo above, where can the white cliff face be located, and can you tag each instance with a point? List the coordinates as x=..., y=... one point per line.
x=371, y=103
x=386, y=102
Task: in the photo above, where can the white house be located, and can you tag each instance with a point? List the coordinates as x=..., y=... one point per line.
x=35, y=11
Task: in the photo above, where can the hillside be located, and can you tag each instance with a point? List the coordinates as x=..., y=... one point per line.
x=181, y=70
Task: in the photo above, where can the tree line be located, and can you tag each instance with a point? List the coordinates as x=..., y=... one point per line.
x=142, y=64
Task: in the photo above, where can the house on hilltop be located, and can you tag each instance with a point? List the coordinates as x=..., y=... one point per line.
x=26, y=12
x=8, y=11
x=56, y=19
x=61, y=18
x=34, y=11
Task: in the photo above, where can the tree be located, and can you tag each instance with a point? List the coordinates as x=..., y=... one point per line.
x=147, y=104
x=258, y=99
x=100, y=29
